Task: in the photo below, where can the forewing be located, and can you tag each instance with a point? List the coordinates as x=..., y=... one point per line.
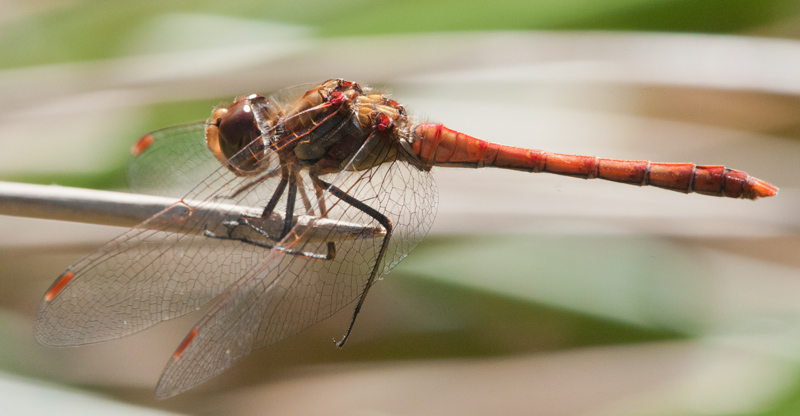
x=288, y=293
x=163, y=268
x=171, y=161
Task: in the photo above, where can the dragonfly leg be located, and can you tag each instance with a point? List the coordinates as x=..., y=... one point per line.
x=273, y=201
x=387, y=225
x=271, y=243
x=330, y=255
x=323, y=212
x=290, y=199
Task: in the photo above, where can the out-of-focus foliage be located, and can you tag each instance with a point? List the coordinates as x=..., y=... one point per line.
x=635, y=282
x=95, y=29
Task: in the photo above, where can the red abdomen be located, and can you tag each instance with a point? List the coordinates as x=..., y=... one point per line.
x=438, y=145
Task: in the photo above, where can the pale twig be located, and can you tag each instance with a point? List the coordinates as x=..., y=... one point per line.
x=127, y=210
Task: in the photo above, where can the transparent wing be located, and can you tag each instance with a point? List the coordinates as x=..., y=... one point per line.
x=163, y=268
x=286, y=294
x=214, y=242
x=171, y=161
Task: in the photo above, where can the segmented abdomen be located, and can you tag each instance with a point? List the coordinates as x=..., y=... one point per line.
x=438, y=145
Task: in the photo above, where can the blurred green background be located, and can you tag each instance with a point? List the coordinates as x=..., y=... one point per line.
x=532, y=294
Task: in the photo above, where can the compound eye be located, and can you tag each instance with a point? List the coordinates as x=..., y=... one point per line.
x=233, y=136
x=237, y=128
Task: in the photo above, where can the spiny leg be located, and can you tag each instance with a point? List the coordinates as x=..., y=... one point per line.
x=323, y=212
x=387, y=225
x=290, y=199
x=288, y=221
x=269, y=246
x=291, y=180
x=301, y=189
x=268, y=210
x=276, y=196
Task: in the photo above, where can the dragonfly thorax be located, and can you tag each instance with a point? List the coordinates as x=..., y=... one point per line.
x=340, y=126
x=336, y=126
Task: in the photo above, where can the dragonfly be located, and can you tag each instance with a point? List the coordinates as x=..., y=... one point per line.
x=336, y=154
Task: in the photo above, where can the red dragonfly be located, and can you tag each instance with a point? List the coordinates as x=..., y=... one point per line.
x=340, y=154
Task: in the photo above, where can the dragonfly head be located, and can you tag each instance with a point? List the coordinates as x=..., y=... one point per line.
x=233, y=134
